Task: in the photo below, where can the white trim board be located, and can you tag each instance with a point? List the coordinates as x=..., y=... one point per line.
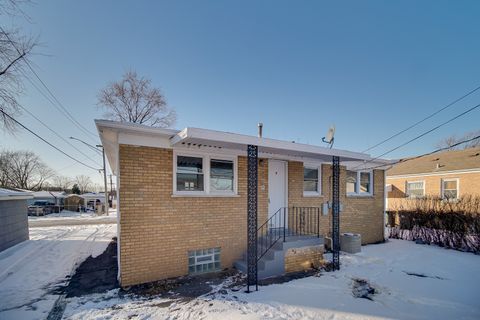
x=430, y=174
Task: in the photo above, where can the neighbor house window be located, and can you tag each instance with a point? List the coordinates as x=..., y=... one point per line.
x=311, y=181
x=189, y=174
x=204, y=175
x=415, y=189
x=221, y=175
x=450, y=188
x=204, y=260
x=359, y=182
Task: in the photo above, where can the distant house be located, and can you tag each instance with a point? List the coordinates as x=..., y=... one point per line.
x=13, y=217
x=55, y=198
x=447, y=175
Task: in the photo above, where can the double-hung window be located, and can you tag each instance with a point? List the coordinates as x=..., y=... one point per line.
x=450, y=189
x=311, y=181
x=204, y=175
x=415, y=189
x=359, y=183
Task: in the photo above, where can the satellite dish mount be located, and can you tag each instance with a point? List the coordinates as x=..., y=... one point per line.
x=330, y=137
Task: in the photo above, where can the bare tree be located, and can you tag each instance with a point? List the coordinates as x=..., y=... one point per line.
x=132, y=99
x=449, y=142
x=15, y=49
x=24, y=170
x=83, y=182
x=62, y=182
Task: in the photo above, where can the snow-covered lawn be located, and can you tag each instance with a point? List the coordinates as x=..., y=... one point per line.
x=72, y=218
x=31, y=269
x=411, y=282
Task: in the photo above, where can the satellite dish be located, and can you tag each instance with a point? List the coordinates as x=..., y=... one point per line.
x=330, y=137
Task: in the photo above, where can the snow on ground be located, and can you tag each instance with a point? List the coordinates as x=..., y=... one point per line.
x=443, y=284
x=72, y=218
x=31, y=269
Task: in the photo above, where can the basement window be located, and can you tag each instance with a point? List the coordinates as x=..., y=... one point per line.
x=204, y=260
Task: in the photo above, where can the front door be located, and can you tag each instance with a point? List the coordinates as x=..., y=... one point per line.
x=277, y=190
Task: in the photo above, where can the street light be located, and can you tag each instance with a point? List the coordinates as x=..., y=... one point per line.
x=104, y=168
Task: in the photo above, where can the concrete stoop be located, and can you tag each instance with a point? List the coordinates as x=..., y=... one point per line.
x=272, y=264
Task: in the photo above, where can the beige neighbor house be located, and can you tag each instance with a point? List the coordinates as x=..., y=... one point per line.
x=450, y=174
x=187, y=201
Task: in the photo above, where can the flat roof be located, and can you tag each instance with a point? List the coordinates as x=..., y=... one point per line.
x=7, y=194
x=213, y=139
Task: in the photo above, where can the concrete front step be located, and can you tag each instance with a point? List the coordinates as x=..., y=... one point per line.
x=273, y=262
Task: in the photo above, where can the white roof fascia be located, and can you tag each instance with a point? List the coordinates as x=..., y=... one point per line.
x=279, y=145
x=6, y=194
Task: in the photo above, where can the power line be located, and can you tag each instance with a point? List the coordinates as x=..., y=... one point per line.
x=425, y=154
x=57, y=134
x=423, y=120
x=64, y=111
x=50, y=144
x=421, y=135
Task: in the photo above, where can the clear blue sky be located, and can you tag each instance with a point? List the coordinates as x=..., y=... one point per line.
x=370, y=67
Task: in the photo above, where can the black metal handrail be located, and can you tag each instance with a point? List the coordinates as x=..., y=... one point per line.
x=287, y=222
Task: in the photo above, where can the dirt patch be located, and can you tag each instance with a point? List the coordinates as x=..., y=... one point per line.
x=185, y=288
x=95, y=275
x=362, y=289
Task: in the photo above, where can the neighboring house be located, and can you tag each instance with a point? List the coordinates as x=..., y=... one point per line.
x=184, y=198
x=447, y=175
x=13, y=217
x=56, y=198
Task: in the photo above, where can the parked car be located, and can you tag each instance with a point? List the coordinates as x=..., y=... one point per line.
x=40, y=208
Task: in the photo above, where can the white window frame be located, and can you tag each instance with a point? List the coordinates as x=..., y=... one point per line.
x=206, y=174
x=416, y=181
x=357, y=189
x=317, y=167
x=442, y=188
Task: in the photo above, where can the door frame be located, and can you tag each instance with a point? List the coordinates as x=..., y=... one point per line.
x=285, y=162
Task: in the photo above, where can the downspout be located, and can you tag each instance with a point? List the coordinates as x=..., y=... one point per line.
x=118, y=212
x=385, y=195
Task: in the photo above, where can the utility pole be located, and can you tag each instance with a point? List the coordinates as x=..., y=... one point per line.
x=104, y=179
x=104, y=168
x=111, y=189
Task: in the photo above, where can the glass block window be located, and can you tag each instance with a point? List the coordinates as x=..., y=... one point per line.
x=450, y=189
x=310, y=180
x=221, y=175
x=189, y=173
x=415, y=189
x=204, y=260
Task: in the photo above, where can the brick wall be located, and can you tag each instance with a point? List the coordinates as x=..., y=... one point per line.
x=469, y=184
x=361, y=214
x=299, y=259
x=13, y=222
x=158, y=230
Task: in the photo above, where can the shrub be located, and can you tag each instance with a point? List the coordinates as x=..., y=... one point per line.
x=449, y=223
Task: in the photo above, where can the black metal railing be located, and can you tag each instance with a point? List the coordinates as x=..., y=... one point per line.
x=287, y=222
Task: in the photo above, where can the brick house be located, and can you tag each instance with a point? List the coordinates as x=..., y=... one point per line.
x=449, y=174
x=185, y=200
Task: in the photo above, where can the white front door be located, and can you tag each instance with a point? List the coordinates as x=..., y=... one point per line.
x=277, y=187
